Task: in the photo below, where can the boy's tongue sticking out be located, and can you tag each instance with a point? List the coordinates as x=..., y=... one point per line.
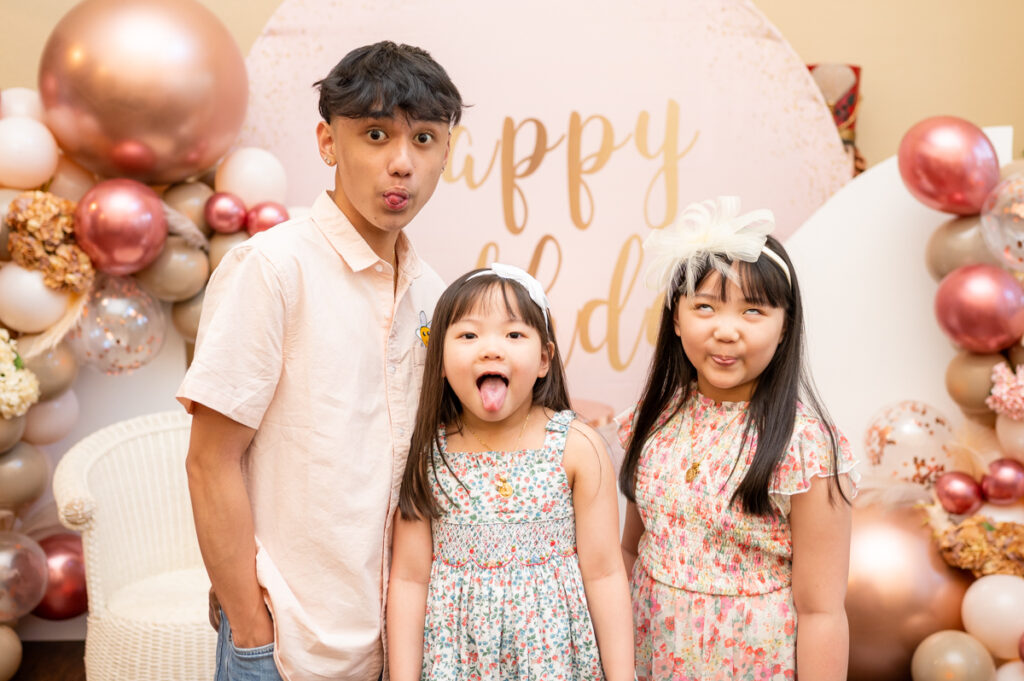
x=492, y=392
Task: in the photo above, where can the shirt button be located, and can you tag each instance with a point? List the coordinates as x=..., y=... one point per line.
x=401, y=432
x=392, y=369
x=378, y=267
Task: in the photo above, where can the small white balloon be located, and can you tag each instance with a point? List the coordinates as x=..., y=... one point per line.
x=22, y=102
x=1011, y=671
x=51, y=421
x=26, y=303
x=993, y=613
x=254, y=175
x=1014, y=513
x=28, y=153
x=70, y=180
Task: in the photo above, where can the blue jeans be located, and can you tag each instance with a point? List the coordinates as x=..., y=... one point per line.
x=243, y=664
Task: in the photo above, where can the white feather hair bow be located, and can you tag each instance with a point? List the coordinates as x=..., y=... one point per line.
x=713, y=229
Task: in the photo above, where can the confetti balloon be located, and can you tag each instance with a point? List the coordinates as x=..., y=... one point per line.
x=122, y=327
x=1002, y=222
x=23, y=574
x=906, y=444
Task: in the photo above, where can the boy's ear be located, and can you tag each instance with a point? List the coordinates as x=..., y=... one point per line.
x=547, y=351
x=325, y=142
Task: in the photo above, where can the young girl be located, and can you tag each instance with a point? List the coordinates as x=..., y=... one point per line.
x=738, y=527
x=506, y=560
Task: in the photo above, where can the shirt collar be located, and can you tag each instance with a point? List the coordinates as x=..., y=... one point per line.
x=351, y=246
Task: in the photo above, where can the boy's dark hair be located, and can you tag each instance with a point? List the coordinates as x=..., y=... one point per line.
x=374, y=80
x=439, y=406
x=773, y=405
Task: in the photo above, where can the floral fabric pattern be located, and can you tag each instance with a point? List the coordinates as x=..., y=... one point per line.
x=506, y=598
x=711, y=587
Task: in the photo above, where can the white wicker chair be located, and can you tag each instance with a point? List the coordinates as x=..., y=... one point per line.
x=124, y=488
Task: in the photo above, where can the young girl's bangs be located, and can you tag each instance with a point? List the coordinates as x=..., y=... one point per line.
x=762, y=282
x=480, y=294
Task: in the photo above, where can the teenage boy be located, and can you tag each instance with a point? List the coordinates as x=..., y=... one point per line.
x=305, y=383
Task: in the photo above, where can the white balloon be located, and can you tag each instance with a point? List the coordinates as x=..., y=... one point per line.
x=70, y=180
x=993, y=613
x=28, y=153
x=1011, y=671
x=1014, y=513
x=254, y=175
x=21, y=101
x=26, y=303
x=51, y=421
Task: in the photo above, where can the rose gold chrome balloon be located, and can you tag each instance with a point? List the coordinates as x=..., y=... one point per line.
x=120, y=224
x=900, y=591
x=225, y=213
x=1004, y=482
x=948, y=164
x=65, y=589
x=981, y=308
x=155, y=90
x=264, y=215
x=959, y=493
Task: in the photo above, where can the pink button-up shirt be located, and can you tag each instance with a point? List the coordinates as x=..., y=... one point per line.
x=304, y=337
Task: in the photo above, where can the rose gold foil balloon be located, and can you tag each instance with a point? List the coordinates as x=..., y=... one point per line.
x=969, y=380
x=981, y=308
x=959, y=493
x=65, y=587
x=263, y=216
x=225, y=213
x=155, y=90
x=993, y=612
x=948, y=164
x=24, y=474
x=120, y=224
x=10, y=653
x=185, y=316
x=22, y=575
x=178, y=273
x=189, y=199
x=56, y=370
x=952, y=656
x=955, y=243
x=900, y=591
x=1004, y=482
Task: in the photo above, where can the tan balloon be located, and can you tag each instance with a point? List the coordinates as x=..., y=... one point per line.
x=24, y=474
x=993, y=613
x=900, y=591
x=1010, y=434
x=185, y=316
x=1012, y=168
x=955, y=243
x=178, y=273
x=1016, y=353
x=11, y=431
x=70, y=180
x=221, y=244
x=952, y=656
x=56, y=370
x=6, y=196
x=969, y=380
x=10, y=653
x=1011, y=671
x=154, y=90
x=189, y=199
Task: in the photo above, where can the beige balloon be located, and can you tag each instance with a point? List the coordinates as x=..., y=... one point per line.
x=1010, y=434
x=952, y=656
x=955, y=243
x=56, y=370
x=70, y=180
x=1012, y=168
x=185, y=316
x=10, y=653
x=1016, y=354
x=178, y=273
x=24, y=474
x=11, y=431
x=993, y=613
x=1011, y=671
x=222, y=243
x=189, y=199
x=969, y=380
x=6, y=196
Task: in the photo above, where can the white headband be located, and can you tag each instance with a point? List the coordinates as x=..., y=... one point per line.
x=521, y=277
x=713, y=229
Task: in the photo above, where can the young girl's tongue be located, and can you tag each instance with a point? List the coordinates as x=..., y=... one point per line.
x=492, y=392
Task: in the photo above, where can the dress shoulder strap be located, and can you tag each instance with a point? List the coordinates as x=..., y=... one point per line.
x=556, y=431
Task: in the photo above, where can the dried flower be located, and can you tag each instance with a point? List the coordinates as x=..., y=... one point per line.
x=42, y=238
x=984, y=548
x=1007, y=396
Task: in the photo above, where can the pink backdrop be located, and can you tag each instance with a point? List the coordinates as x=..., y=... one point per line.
x=593, y=121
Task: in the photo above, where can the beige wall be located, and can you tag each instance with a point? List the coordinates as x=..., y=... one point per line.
x=920, y=57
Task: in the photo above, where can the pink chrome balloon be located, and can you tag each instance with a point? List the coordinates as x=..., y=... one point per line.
x=120, y=224
x=981, y=308
x=1004, y=482
x=959, y=493
x=948, y=164
x=155, y=90
x=65, y=589
x=264, y=215
x=225, y=213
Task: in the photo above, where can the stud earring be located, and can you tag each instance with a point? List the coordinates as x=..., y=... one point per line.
x=328, y=161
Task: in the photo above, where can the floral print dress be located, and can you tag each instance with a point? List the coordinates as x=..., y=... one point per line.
x=506, y=598
x=711, y=587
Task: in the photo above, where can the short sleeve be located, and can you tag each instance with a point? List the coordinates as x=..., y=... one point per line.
x=239, y=348
x=808, y=457
x=624, y=426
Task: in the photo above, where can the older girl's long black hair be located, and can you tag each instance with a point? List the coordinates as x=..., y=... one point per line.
x=773, y=405
x=439, y=406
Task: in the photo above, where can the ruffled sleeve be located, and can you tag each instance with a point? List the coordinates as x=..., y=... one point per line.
x=809, y=457
x=624, y=425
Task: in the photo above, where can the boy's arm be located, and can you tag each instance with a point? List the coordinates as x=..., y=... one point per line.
x=595, y=506
x=631, y=533
x=821, y=559
x=412, y=551
x=224, y=525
